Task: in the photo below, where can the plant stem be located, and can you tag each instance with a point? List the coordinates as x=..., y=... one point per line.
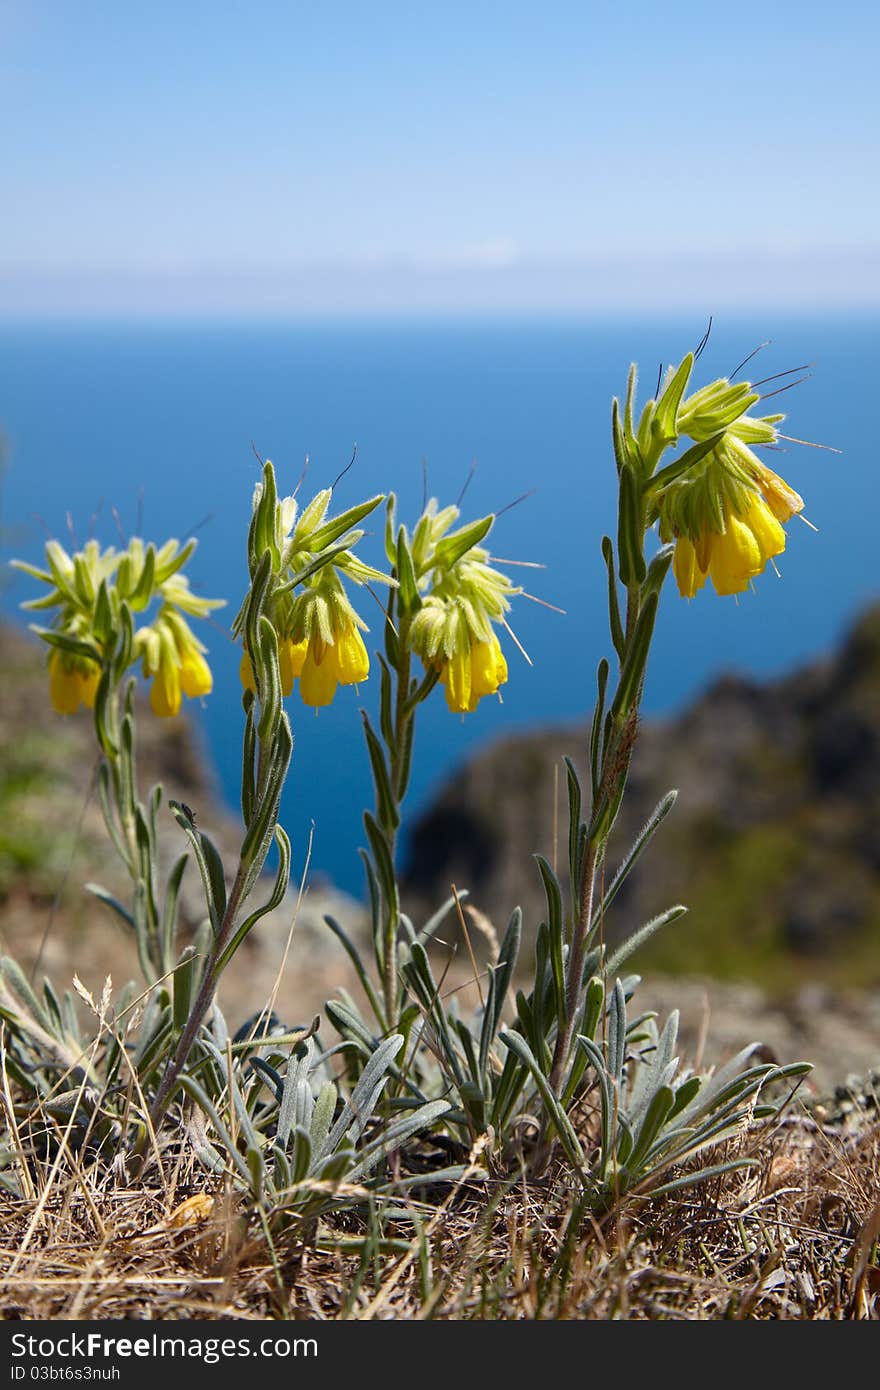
x=614, y=770
x=574, y=980
x=203, y=1002
x=402, y=719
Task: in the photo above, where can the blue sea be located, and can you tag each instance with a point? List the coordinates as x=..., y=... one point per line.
x=162, y=421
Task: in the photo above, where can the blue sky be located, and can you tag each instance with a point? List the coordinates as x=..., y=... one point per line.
x=275, y=157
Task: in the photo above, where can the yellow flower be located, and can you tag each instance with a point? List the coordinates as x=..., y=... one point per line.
x=73, y=681
x=731, y=557
x=291, y=658
x=472, y=672
x=319, y=679
x=345, y=661
x=175, y=660
x=782, y=500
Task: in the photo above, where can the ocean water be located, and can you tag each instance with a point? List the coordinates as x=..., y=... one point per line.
x=160, y=422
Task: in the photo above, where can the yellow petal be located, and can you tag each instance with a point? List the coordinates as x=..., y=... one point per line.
x=766, y=529
x=782, y=500
x=484, y=669
x=457, y=681
x=317, y=682
x=165, y=692
x=688, y=575
x=352, y=658
x=291, y=659
x=246, y=672
x=500, y=663
x=736, y=557
x=195, y=675
x=64, y=689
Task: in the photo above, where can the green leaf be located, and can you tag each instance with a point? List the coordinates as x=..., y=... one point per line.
x=556, y=926
x=185, y=985
x=354, y=956
x=268, y=680
x=717, y=1170
x=633, y=671
x=555, y=1112
x=597, y=749
x=617, y=1034
x=409, y=601
x=500, y=976
x=614, y=619
x=65, y=643
x=209, y=862
x=630, y=530
x=688, y=460
x=638, y=938
x=664, y=422
x=140, y=596
x=386, y=806
x=382, y=861
x=458, y=543
x=282, y=880
x=330, y=532
x=248, y=759
x=657, y=816
x=114, y=904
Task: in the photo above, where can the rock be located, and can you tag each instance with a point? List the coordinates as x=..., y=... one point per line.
x=773, y=842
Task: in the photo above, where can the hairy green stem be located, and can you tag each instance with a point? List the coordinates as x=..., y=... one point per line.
x=202, y=1003
x=403, y=715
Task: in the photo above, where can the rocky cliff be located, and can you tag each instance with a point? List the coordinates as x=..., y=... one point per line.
x=774, y=842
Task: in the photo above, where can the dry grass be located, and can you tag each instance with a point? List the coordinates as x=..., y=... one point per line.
x=794, y=1238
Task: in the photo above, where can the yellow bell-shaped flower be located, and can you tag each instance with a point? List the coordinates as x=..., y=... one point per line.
x=73, y=681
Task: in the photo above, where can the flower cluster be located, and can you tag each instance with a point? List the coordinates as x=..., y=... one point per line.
x=317, y=627
x=453, y=631
x=97, y=594
x=725, y=513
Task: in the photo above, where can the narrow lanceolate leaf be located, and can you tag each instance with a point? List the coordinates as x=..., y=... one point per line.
x=633, y=671
x=397, y=1133
x=382, y=860
x=358, y=1108
x=185, y=985
x=209, y=862
x=702, y=1175
x=409, y=599
x=170, y=905
x=681, y=465
x=501, y=975
x=617, y=1033
x=638, y=938
x=663, y=423
x=656, y=1114
x=597, y=748
x=614, y=619
x=458, y=543
x=657, y=816
x=268, y=680
x=331, y=530
x=556, y=926
x=65, y=643
x=560, y=1121
x=248, y=759
x=355, y=958
x=114, y=904
x=282, y=881
x=630, y=530
x=386, y=806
